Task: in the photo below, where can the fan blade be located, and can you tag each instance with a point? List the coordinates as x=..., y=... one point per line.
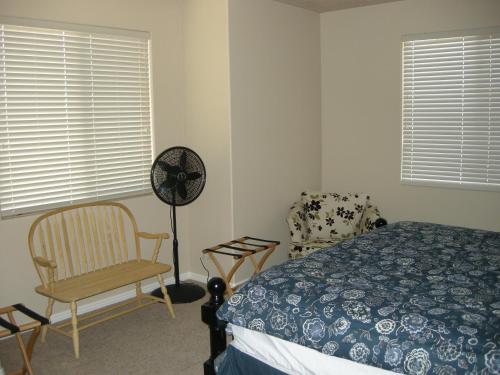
x=181, y=189
x=193, y=176
x=170, y=182
x=163, y=188
x=163, y=165
x=170, y=169
x=183, y=160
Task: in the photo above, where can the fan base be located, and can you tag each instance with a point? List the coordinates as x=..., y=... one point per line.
x=182, y=293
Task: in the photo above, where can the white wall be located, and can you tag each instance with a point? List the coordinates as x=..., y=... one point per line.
x=361, y=108
x=208, y=125
x=164, y=20
x=275, y=115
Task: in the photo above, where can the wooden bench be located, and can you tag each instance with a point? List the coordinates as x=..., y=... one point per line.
x=81, y=251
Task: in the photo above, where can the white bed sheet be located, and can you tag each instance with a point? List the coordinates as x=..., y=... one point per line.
x=295, y=359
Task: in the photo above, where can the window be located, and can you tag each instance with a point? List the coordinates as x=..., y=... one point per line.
x=75, y=115
x=451, y=110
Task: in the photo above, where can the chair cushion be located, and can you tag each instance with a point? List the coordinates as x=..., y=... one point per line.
x=332, y=216
x=301, y=249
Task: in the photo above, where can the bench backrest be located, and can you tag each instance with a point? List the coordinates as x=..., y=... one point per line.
x=84, y=238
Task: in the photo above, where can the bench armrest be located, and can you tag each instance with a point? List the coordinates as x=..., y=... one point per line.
x=41, y=261
x=159, y=237
x=152, y=236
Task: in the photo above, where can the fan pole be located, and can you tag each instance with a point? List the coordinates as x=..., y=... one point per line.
x=176, y=248
x=179, y=292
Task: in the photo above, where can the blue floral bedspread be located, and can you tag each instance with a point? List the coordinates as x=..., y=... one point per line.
x=413, y=298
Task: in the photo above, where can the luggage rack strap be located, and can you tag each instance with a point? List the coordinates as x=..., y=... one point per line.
x=222, y=252
x=238, y=248
x=8, y=325
x=251, y=244
x=33, y=315
x=260, y=239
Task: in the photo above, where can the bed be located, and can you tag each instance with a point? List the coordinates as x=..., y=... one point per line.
x=413, y=298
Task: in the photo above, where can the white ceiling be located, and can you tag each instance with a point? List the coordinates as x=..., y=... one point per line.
x=328, y=5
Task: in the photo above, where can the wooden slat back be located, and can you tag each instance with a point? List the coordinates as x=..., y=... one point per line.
x=84, y=238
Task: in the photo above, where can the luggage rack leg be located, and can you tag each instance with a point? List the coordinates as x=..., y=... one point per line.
x=11, y=328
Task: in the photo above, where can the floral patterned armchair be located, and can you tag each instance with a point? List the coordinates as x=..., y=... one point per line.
x=319, y=220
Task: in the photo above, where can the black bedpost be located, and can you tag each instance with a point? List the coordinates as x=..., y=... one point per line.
x=216, y=287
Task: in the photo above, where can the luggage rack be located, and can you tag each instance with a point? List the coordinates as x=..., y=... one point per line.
x=10, y=327
x=240, y=249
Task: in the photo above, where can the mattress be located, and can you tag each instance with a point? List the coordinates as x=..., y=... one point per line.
x=414, y=298
x=295, y=359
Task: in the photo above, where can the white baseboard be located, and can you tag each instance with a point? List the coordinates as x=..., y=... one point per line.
x=194, y=276
x=104, y=302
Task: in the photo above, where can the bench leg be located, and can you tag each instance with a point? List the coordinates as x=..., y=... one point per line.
x=74, y=324
x=138, y=292
x=48, y=313
x=166, y=297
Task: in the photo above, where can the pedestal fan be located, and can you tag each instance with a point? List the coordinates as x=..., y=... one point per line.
x=178, y=177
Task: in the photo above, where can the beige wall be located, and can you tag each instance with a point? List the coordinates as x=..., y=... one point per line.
x=239, y=82
x=361, y=108
x=273, y=148
x=275, y=114
x=252, y=100
x=164, y=20
x=207, y=124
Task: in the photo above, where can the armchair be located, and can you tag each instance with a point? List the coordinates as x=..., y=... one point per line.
x=320, y=220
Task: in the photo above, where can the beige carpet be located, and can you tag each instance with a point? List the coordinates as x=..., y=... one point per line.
x=144, y=342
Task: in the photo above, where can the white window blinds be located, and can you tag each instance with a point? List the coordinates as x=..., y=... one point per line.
x=75, y=117
x=451, y=110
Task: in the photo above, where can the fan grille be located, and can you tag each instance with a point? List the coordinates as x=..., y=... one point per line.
x=160, y=176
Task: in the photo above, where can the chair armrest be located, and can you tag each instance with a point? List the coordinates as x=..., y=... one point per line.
x=41, y=261
x=371, y=218
x=153, y=236
x=296, y=222
x=380, y=222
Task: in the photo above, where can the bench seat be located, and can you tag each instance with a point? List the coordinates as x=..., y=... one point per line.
x=103, y=280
